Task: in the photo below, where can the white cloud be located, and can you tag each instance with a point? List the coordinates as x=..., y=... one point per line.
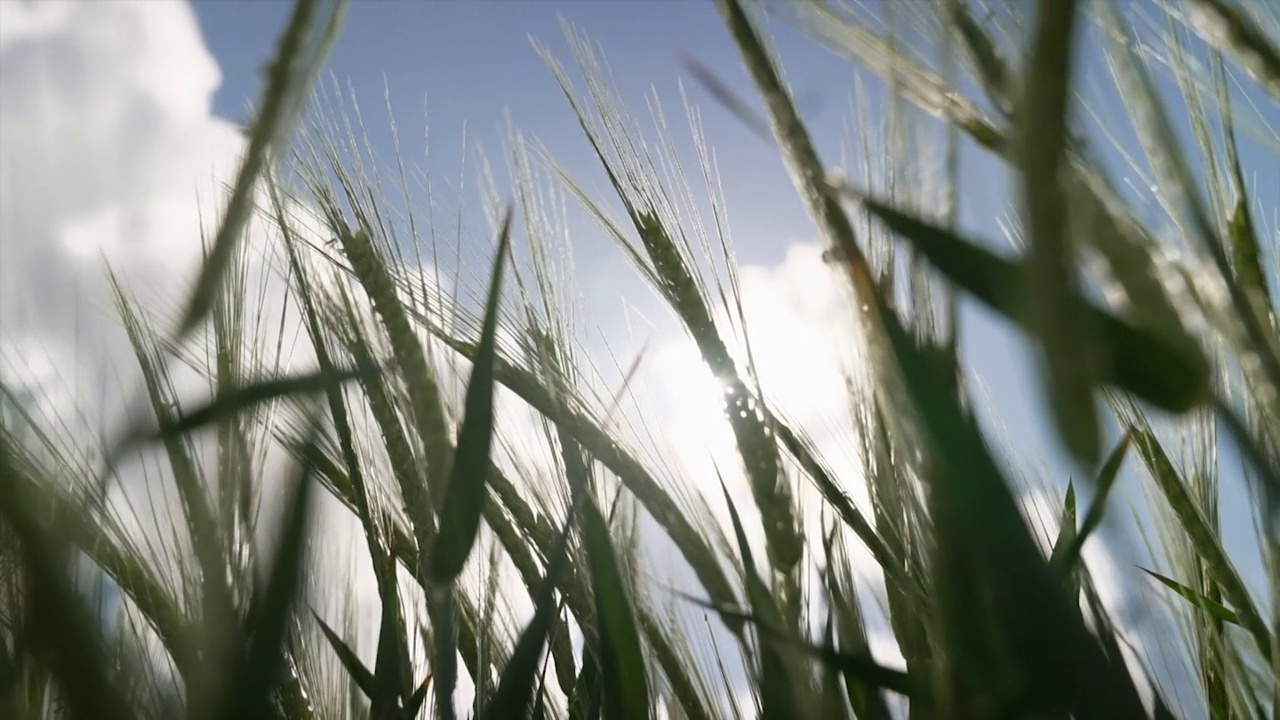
x=108, y=144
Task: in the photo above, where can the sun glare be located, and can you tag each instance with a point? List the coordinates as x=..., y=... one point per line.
x=694, y=400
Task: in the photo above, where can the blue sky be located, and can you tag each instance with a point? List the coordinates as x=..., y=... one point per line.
x=468, y=62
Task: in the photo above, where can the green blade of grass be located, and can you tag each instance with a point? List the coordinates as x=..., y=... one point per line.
x=516, y=684
x=288, y=78
x=865, y=700
x=1102, y=484
x=1204, y=540
x=362, y=675
x=230, y=401
x=991, y=69
x=391, y=668
x=587, y=699
x=255, y=675
x=727, y=97
x=778, y=691
x=1209, y=605
x=464, y=499
x=1067, y=529
x=683, y=677
x=835, y=703
x=413, y=706
x=1136, y=360
x=622, y=665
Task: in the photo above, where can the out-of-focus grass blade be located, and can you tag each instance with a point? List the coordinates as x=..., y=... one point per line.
x=255, y=674
x=727, y=97
x=991, y=69
x=58, y=622
x=134, y=578
x=464, y=499
x=540, y=705
x=1168, y=376
x=232, y=400
x=984, y=542
x=864, y=668
x=1224, y=27
x=1209, y=605
x=626, y=684
x=9, y=665
x=1067, y=345
x=1102, y=485
x=516, y=685
x=288, y=79
x=362, y=675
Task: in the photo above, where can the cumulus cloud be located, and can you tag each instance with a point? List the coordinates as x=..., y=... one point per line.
x=108, y=145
